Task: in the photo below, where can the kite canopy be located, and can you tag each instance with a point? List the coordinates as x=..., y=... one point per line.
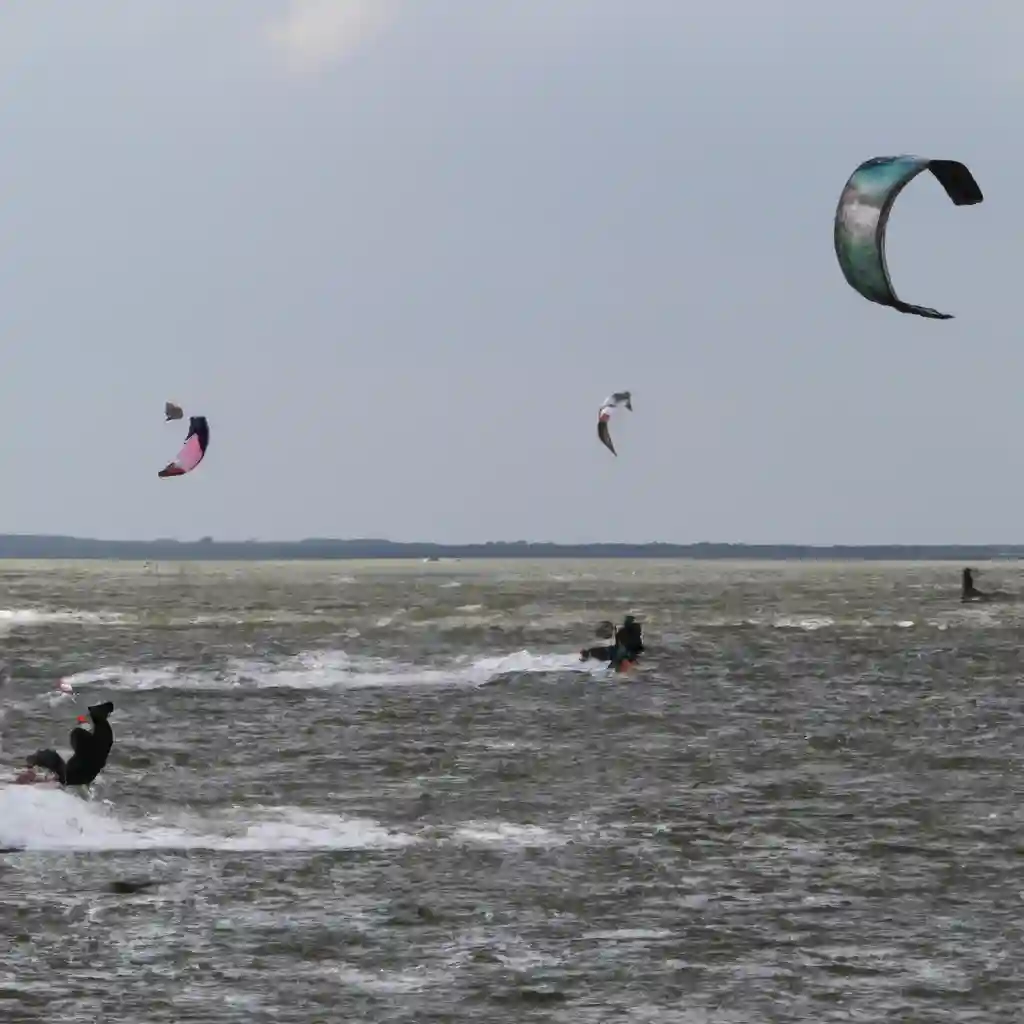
x=172, y=411
x=611, y=403
x=863, y=214
x=193, y=450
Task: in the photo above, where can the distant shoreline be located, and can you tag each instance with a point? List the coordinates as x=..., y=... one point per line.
x=21, y=546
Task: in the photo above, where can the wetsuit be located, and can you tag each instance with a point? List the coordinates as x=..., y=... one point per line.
x=967, y=591
x=630, y=639
x=90, y=750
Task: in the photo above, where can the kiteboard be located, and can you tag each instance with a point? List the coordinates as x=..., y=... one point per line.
x=624, y=666
x=28, y=777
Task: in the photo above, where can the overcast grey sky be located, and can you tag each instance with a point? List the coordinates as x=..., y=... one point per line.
x=398, y=251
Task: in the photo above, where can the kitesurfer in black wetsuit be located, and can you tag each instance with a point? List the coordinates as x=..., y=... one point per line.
x=630, y=638
x=90, y=750
x=967, y=590
x=628, y=646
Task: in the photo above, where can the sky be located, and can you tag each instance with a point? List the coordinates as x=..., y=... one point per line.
x=399, y=251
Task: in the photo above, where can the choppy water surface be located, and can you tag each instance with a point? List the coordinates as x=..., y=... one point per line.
x=390, y=792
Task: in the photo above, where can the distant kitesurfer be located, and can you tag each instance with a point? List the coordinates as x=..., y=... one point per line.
x=968, y=592
x=628, y=646
x=90, y=751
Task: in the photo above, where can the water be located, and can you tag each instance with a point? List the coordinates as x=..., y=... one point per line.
x=389, y=792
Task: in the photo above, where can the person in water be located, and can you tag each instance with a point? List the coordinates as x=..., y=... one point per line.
x=630, y=638
x=89, y=750
x=628, y=646
x=968, y=592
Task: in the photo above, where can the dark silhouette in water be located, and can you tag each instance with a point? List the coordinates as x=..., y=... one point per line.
x=124, y=887
x=598, y=653
x=91, y=750
x=628, y=646
x=630, y=638
x=968, y=592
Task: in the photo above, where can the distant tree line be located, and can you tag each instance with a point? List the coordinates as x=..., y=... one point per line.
x=208, y=549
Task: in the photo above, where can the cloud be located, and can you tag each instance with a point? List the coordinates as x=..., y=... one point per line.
x=316, y=33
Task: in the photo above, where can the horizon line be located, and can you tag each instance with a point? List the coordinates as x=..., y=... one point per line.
x=210, y=539
x=51, y=546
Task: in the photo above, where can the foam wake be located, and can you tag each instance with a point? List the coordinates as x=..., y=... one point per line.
x=37, y=818
x=330, y=670
x=28, y=617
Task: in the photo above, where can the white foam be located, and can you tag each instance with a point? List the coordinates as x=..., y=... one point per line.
x=247, y=619
x=806, y=622
x=630, y=934
x=503, y=833
x=331, y=670
x=388, y=982
x=41, y=818
x=20, y=617
x=292, y=829
x=118, y=677
x=38, y=818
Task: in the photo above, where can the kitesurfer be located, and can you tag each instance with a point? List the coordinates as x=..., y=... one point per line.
x=968, y=592
x=90, y=750
x=630, y=638
x=628, y=646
